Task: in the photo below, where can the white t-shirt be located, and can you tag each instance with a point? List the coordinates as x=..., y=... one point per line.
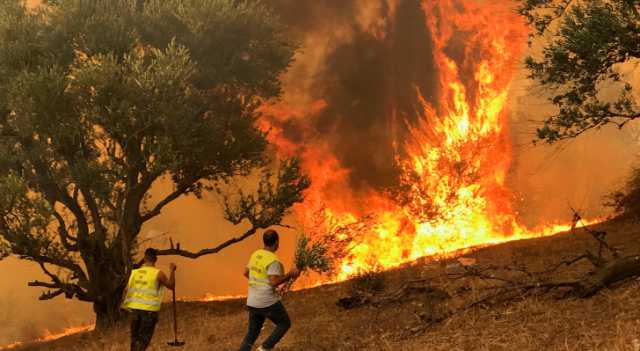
x=265, y=296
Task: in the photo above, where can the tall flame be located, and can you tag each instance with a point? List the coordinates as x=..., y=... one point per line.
x=452, y=192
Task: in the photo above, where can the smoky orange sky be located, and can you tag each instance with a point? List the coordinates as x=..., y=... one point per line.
x=343, y=42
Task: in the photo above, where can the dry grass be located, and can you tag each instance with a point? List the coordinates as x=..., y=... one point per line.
x=609, y=321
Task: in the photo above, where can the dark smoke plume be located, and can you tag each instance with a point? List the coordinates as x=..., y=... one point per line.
x=369, y=81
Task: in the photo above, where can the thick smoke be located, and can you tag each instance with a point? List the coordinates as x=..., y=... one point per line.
x=548, y=180
x=22, y=316
x=367, y=59
x=376, y=56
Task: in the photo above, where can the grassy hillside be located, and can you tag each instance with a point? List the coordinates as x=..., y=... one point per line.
x=608, y=321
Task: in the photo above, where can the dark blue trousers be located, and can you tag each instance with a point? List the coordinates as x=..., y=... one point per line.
x=275, y=313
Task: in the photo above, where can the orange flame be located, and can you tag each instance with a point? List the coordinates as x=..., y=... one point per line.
x=49, y=336
x=209, y=297
x=454, y=165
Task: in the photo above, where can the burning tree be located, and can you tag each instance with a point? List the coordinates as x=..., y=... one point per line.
x=100, y=99
x=585, y=47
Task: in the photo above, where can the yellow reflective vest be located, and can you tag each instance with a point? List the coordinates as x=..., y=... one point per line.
x=258, y=264
x=143, y=291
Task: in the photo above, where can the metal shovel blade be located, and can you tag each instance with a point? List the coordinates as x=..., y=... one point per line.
x=176, y=343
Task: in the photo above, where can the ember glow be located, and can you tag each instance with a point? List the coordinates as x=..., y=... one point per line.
x=49, y=336
x=213, y=297
x=453, y=168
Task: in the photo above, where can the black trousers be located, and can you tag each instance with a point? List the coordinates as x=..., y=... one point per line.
x=143, y=324
x=275, y=313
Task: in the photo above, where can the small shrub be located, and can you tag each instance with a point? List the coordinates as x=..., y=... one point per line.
x=627, y=200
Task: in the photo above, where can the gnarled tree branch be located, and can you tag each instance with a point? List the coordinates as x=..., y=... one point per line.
x=180, y=190
x=69, y=290
x=64, y=235
x=177, y=251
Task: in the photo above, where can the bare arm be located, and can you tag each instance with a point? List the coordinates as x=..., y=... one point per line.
x=277, y=280
x=170, y=283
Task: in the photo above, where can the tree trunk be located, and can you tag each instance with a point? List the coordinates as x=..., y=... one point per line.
x=108, y=312
x=109, y=284
x=615, y=271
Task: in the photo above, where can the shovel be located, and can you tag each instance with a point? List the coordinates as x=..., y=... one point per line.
x=175, y=342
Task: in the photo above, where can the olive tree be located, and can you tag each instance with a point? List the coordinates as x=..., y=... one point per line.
x=101, y=99
x=584, y=45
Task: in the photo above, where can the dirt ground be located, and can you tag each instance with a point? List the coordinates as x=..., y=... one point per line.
x=609, y=320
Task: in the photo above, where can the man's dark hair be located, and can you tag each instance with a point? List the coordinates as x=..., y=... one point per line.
x=270, y=237
x=151, y=255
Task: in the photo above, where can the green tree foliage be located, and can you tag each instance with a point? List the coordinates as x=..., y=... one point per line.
x=584, y=45
x=627, y=200
x=99, y=99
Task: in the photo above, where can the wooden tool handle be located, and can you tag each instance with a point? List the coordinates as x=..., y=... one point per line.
x=175, y=315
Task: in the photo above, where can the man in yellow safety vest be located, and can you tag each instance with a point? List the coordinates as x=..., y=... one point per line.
x=143, y=298
x=265, y=273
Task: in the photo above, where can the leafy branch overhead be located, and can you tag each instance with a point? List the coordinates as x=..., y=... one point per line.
x=100, y=99
x=272, y=201
x=266, y=207
x=586, y=47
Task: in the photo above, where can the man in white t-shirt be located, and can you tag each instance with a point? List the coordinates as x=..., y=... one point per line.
x=265, y=272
